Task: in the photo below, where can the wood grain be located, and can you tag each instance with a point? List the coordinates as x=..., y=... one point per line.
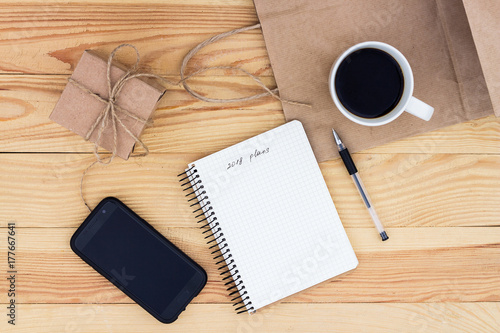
x=409, y=190
x=359, y=317
x=50, y=38
x=182, y=123
x=454, y=259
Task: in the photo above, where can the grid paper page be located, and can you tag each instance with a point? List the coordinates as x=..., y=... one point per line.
x=276, y=214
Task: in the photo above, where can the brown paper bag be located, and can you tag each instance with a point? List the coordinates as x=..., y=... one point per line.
x=305, y=37
x=484, y=20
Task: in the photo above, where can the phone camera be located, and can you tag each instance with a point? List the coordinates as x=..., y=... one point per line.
x=104, y=211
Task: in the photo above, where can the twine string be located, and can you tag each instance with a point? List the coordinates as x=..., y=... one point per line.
x=211, y=40
x=112, y=110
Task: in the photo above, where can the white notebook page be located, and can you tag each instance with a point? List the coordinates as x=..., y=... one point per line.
x=276, y=214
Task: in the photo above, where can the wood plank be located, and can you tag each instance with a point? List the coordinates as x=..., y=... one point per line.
x=183, y=124
x=50, y=38
x=360, y=317
x=415, y=265
x=234, y=3
x=480, y=136
x=43, y=190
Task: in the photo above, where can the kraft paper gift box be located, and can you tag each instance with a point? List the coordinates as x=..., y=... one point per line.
x=78, y=110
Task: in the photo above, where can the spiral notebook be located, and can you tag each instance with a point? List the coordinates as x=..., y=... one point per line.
x=270, y=221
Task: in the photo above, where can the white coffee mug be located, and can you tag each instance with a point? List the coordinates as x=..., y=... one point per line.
x=407, y=102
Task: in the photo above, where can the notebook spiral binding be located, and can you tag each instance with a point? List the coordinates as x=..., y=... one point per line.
x=190, y=181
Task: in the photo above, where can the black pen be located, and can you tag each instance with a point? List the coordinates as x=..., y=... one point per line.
x=351, y=168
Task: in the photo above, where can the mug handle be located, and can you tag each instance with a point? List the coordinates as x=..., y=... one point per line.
x=419, y=109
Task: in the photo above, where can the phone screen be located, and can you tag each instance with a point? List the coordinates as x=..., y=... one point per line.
x=139, y=260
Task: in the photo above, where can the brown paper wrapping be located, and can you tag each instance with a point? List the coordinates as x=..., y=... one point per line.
x=304, y=38
x=77, y=110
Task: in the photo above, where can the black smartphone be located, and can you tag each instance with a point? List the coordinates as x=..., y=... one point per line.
x=137, y=259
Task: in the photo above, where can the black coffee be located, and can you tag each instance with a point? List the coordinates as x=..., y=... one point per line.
x=369, y=83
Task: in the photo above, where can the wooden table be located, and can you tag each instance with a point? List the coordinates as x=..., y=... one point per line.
x=438, y=193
